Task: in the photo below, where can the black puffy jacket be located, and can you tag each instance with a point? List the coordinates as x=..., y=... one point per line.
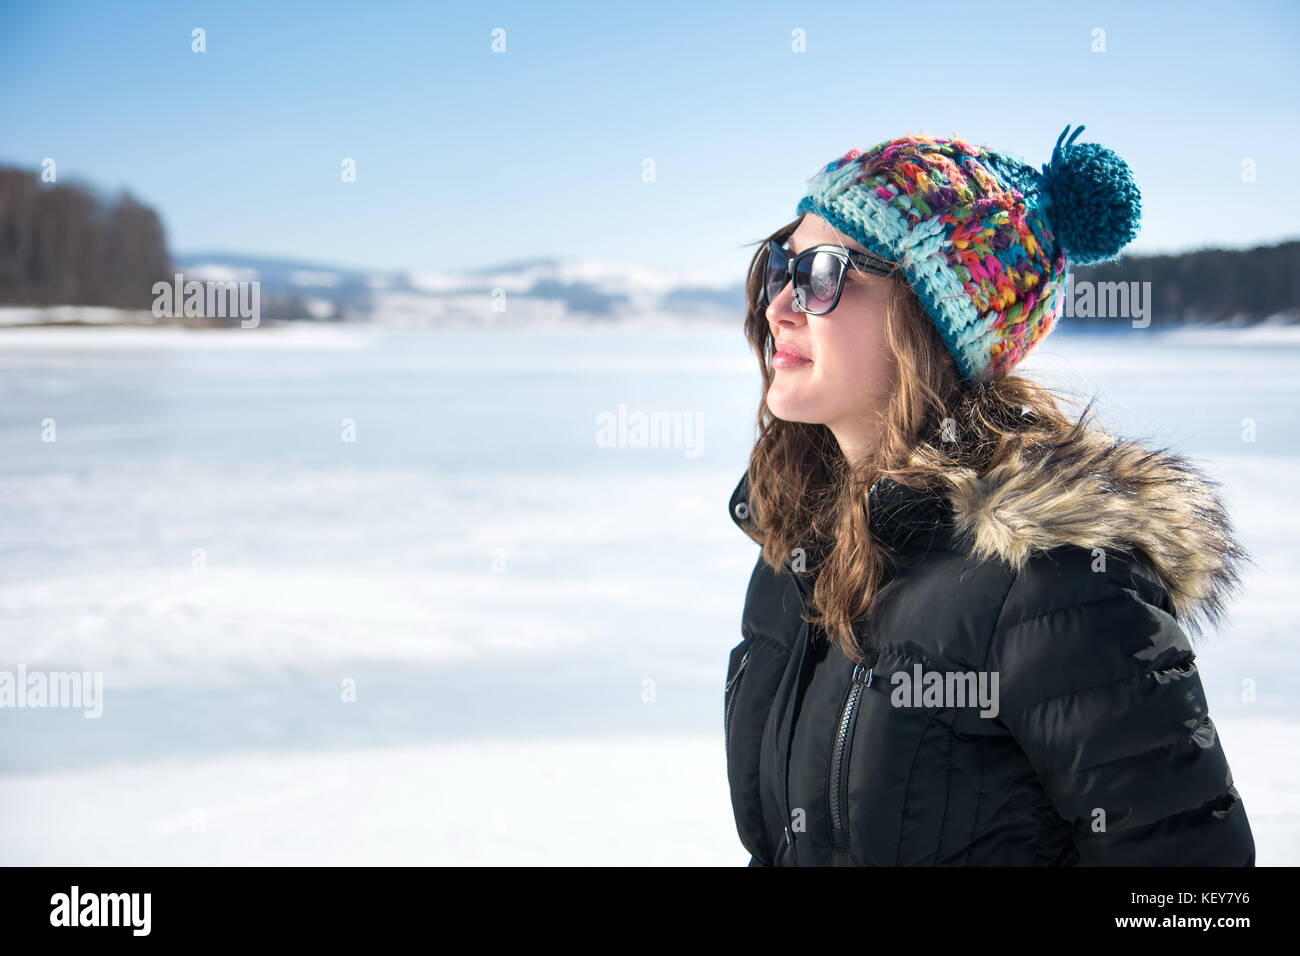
x=1069, y=577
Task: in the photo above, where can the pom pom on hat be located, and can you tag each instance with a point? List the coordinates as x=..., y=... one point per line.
x=1093, y=204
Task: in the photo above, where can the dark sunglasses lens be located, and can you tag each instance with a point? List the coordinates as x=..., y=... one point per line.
x=816, y=280
x=774, y=275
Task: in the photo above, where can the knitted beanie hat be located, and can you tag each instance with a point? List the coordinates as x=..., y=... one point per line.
x=983, y=239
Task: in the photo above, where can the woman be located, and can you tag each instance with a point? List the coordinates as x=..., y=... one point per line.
x=964, y=639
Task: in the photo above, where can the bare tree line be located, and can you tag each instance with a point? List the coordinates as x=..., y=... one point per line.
x=1211, y=285
x=61, y=244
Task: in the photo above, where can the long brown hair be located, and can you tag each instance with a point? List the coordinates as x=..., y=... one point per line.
x=805, y=498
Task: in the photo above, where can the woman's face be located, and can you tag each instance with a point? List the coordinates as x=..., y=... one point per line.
x=849, y=375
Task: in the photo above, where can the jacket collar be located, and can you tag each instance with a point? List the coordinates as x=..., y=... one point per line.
x=909, y=520
x=901, y=516
x=1094, y=491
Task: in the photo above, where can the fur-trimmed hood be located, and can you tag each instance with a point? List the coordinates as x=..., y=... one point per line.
x=1099, y=491
x=1094, y=491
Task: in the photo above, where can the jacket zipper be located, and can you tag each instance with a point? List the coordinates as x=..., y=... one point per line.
x=862, y=676
x=730, y=695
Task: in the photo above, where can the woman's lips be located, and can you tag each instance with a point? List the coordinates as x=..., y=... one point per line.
x=786, y=357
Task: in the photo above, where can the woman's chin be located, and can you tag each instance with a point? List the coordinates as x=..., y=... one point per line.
x=788, y=409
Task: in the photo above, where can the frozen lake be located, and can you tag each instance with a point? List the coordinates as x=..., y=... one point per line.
x=386, y=596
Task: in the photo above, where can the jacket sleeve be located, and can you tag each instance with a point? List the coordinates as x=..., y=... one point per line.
x=1098, y=685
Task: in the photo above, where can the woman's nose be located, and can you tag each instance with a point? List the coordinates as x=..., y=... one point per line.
x=784, y=308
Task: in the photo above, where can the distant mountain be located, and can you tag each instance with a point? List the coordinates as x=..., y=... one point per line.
x=1213, y=286
x=531, y=290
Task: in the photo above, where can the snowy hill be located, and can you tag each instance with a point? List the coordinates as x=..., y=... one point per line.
x=534, y=290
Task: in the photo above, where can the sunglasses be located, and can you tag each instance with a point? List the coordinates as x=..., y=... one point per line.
x=817, y=274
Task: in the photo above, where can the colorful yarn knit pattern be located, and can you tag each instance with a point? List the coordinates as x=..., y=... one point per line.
x=984, y=240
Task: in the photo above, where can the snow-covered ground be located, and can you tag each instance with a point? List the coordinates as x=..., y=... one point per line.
x=384, y=596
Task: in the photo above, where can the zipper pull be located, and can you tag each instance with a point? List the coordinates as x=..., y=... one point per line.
x=744, y=659
x=864, y=674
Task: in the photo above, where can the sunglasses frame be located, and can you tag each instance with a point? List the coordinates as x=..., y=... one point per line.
x=865, y=261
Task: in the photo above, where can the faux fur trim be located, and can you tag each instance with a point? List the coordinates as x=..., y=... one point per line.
x=1098, y=491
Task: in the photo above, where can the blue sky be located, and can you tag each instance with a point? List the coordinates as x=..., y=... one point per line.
x=469, y=158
